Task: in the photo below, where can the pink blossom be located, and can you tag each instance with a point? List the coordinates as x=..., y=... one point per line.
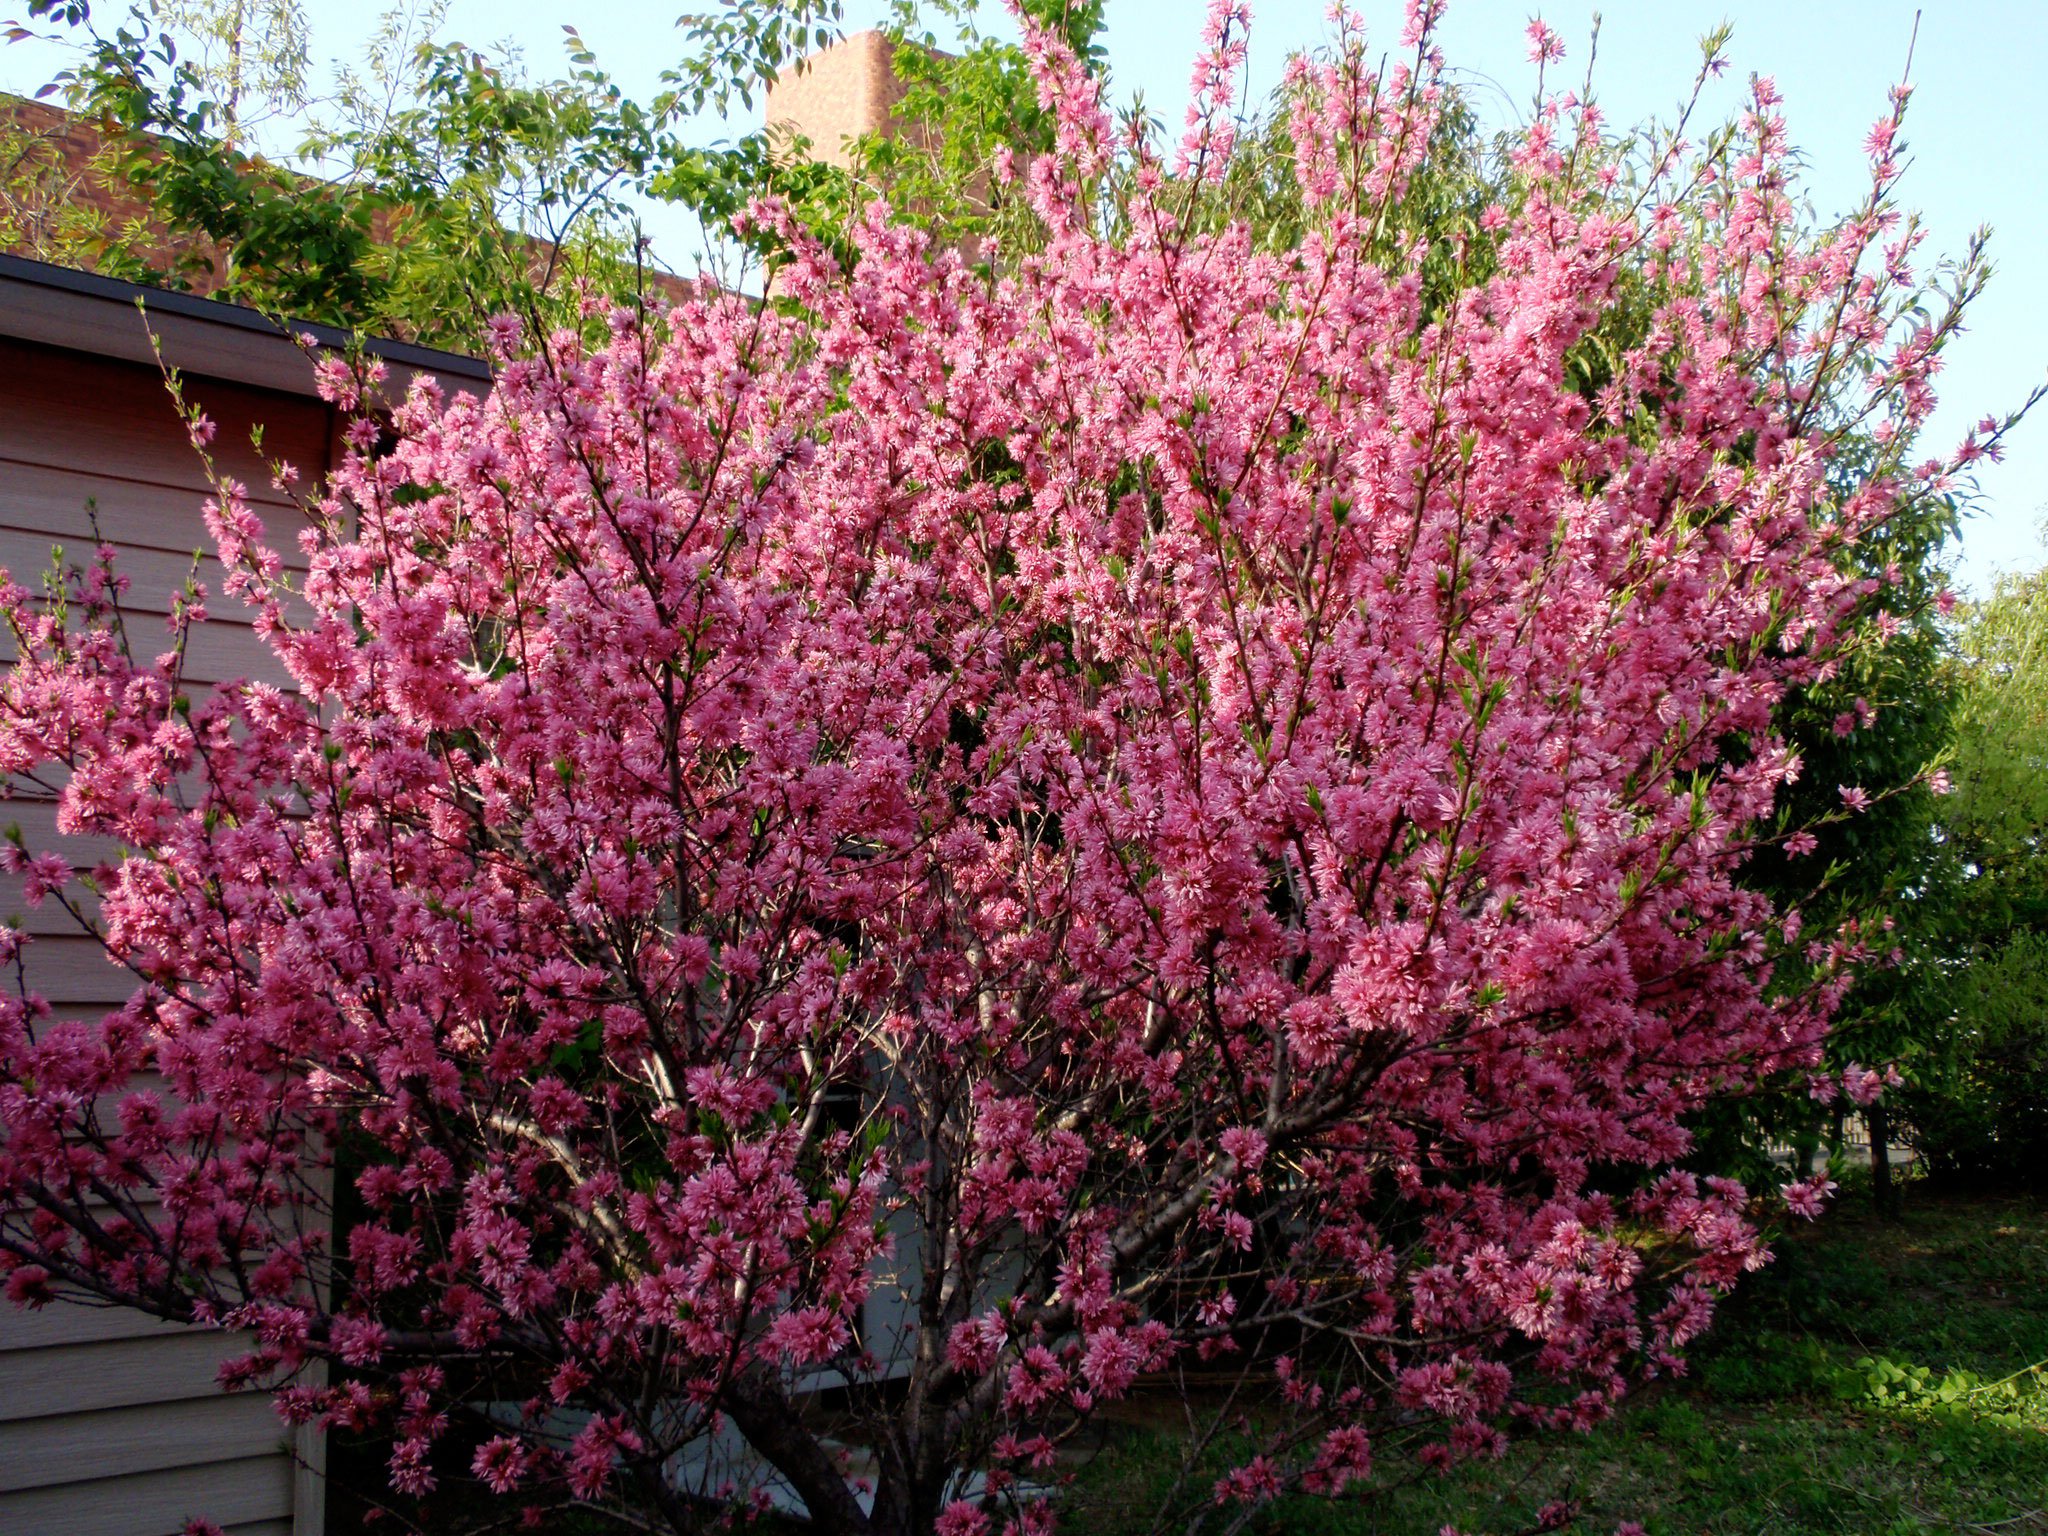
x=1808, y=1197
x=1244, y=1146
x=593, y=1453
x=501, y=1463
x=28, y=1285
x=1545, y=45
x=974, y=1345
x=1253, y=1483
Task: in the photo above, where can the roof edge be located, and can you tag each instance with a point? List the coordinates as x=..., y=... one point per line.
x=85, y=312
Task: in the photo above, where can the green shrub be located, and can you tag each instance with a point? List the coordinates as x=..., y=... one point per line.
x=1984, y=1117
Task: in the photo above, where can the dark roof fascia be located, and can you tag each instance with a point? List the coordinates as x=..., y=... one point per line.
x=84, y=312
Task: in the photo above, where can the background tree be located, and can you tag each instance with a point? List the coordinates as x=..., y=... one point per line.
x=252, y=57
x=437, y=184
x=41, y=215
x=1881, y=722
x=1977, y=1111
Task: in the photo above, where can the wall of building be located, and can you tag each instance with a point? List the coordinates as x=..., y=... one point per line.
x=111, y=1424
x=837, y=94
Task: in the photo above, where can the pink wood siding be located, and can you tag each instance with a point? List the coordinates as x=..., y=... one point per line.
x=110, y=1423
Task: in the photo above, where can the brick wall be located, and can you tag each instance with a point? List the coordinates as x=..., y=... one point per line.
x=60, y=193
x=837, y=94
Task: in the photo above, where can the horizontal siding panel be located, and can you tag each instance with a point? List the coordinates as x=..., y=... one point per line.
x=154, y=1504
x=111, y=1422
x=77, y=971
x=91, y=1013
x=215, y=651
x=148, y=1211
x=64, y=410
x=36, y=818
x=155, y=577
x=46, y=786
x=176, y=1366
x=38, y=822
x=56, y=505
x=64, y=1323
x=48, y=920
x=72, y=1448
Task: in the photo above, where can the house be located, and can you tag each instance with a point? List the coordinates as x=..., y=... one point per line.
x=111, y=1424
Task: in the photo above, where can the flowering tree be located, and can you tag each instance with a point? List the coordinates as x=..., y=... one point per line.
x=1177, y=807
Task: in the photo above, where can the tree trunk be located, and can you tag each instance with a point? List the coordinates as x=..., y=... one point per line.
x=768, y=1420
x=1883, y=1193
x=1806, y=1151
x=915, y=1458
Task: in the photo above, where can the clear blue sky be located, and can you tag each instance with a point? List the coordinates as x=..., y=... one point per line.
x=1978, y=131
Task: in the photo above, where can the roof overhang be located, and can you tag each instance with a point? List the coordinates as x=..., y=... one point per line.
x=84, y=312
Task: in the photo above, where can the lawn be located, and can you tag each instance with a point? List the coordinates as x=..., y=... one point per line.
x=1879, y=1378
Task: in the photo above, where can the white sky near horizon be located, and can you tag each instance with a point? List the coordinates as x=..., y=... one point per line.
x=1977, y=132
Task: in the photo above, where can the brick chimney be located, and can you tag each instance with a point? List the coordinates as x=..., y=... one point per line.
x=837, y=94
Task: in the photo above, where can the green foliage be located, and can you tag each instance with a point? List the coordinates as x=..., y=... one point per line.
x=1983, y=1115
x=969, y=96
x=1999, y=813
x=244, y=52
x=263, y=234
x=732, y=55
x=2015, y=1401
x=737, y=50
x=964, y=99
x=1978, y=1105
x=437, y=188
x=41, y=215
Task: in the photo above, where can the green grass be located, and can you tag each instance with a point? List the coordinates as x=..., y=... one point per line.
x=1874, y=1380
